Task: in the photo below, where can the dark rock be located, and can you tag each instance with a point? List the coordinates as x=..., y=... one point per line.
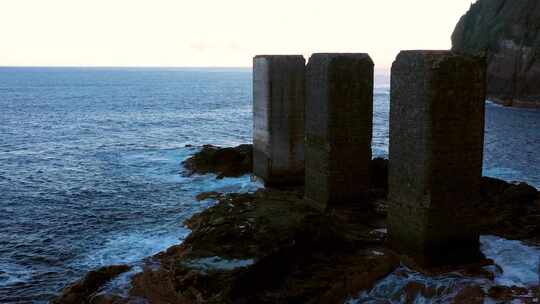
x=225, y=162
x=237, y=161
x=108, y=299
x=504, y=193
x=208, y=195
x=511, y=210
x=478, y=270
x=379, y=173
x=508, y=32
x=509, y=294
x=81, y=292
x=413, y=290
x=470, y=295
x=518, y=194
x=492, y=188
x=295, y=253
x=299, y=254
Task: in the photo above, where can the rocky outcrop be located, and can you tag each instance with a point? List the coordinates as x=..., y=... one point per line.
x=83, y=291
x=273, y=247
x=270, y=247
x=224, y=162
x=237, y=161
x=510, y=210
x=508, y=33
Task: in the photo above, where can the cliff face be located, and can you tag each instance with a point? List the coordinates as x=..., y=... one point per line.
x=508, y=31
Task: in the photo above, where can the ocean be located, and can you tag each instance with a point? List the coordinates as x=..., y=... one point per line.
x=90, y=163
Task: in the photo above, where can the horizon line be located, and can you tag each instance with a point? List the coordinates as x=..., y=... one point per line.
x=124, y=66
x=141, y=67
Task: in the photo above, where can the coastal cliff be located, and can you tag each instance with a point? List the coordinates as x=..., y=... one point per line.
x=508, y=33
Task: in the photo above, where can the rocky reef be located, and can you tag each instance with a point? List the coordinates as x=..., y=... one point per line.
x=273, y=247
x=224, y=162
x=508, y=33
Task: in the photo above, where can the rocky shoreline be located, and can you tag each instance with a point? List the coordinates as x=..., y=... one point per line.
x=272, y=247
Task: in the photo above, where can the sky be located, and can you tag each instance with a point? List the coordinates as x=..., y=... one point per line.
x=216, y=33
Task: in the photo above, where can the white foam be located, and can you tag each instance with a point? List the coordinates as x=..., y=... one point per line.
x=166, y=166
x=519, y=262
x=391, y=289
x=492, y=103
x=209, y=182
x=131, y=247
x=121, y=285
x=218, y=263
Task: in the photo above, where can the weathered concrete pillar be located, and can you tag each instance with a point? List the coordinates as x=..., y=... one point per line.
x=339, y=110
x=278, y=109
x=436, y=150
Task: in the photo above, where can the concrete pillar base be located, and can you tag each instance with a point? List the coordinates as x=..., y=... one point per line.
x=278, y=128
x=339, y=115
x=436, y=153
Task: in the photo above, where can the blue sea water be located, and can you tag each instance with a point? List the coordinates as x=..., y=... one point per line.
x=90, y=163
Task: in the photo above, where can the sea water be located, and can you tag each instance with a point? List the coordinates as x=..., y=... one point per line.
x=90, y=163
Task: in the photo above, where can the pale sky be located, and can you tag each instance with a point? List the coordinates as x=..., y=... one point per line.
x=216, y=32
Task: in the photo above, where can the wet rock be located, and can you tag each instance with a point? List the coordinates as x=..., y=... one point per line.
x=511, y=210
x=478, y=270
x=471, y=295
x=82, y=291
x=272, y=247
x=518, y=194
x=379, y=173
x=225, y=162
x=413, y=290
x=108, y=299
x=492, y=188
x=509, y=294
x=208, y=195
x=237, y=161
x=295, y=253
x=503, y=193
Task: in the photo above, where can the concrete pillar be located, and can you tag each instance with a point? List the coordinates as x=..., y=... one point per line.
x=339, y=118
x=436, y=150
x=278, y=109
